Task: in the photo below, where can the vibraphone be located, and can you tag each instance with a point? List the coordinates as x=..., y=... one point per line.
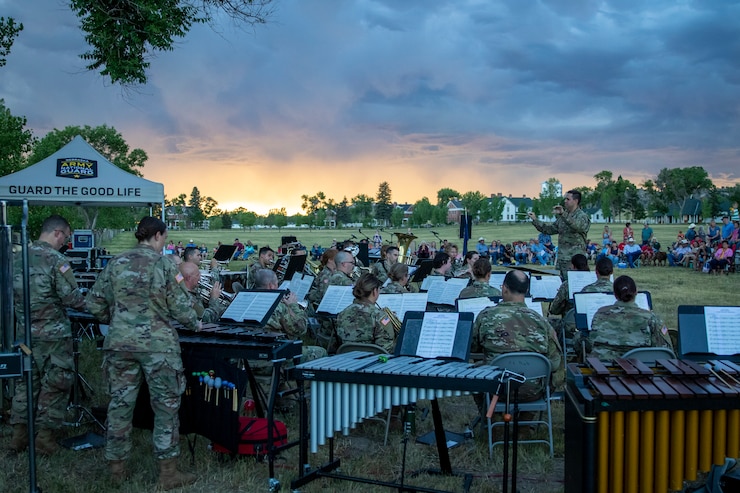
x=247, y=343
x=347, y=388
x=632, y=428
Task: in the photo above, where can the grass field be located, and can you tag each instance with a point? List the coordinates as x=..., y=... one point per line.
x=362, y=453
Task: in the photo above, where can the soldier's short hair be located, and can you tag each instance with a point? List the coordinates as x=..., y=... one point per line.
x=398, y=271
x=517, y=282
x=189, y=253
x=604, y=266
x=575, y=195
x=481, y=268
x=580, y=262
x=365, y=285
x=471, y=254
x=625, y=288
x=440, y=259
x=53, y=222
x=264, y=277
x=342, y=256
x=148, y=227
x=390, y=249
x=264, y=250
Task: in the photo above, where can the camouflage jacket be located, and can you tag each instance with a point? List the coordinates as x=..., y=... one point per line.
x=290, y=320
x=318, y=288
x=512, y=327
x=339, y=278
x=139, y=293
x=394, y=288
x=365, y=323
x=561, y=303
x=623, y=326
x=252, y=274
x=600, y=286
x=52, y=288
x=479, y=289
x=380, y=269
x=571, y=228
x=207, y=315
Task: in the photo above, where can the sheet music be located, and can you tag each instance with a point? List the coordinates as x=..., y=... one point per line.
x=496, y=280
x=336, y=299
x=723, y=329
x=533, y=305
x=251, y=306
x=474, y=305
x=299, y=285
x=589, y=303
x=437, y=337
x=446, y=292
x=544, y=287
x=400, y=303
x=429, y=280
x=578, y=279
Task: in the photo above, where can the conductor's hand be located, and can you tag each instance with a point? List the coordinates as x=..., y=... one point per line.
x=216, y=291
x=531, y=215
x=557, y=210
x=290, y=298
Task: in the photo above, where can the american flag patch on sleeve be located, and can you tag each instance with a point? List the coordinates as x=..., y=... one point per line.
x=64, y=268
x=179, y=278
x=385, y=321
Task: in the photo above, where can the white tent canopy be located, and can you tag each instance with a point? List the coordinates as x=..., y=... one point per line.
x=77, y=174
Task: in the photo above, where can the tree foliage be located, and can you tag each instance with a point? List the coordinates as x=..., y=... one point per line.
x=125, y=34
x=383, y=205
x=362, y=208
x=8, y=32
x=493, y=209
x=473, y=202
x=16, y=141
x=677, y=185
x=422, y=213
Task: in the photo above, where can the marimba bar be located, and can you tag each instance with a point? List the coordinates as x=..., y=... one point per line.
x=635, y=429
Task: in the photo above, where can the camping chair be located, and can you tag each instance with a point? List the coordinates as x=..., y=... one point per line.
x=649, y=355
x=532, y=366
x=375, y=349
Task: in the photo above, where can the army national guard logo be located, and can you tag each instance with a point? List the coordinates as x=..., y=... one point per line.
x=77, y=168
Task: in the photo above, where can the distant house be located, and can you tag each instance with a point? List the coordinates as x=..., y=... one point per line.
x=689, y=213
x=512, y=205
x=331, y=219
x=595, y=214
x=455, y=209
x=177, y=217
x=408, y=211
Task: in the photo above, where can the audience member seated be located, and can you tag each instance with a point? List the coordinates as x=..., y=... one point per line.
x=363, y=321
x=632, y=252
x=539, y=254
x=481, y=247
x=239, y=248
x=721, y=258
x=481, y=286
x=648, y=254
x=521, y=253
x=676, y=256
x=623, y=326
x=507, y=258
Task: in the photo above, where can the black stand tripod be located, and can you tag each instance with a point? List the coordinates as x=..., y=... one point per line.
x=84, y=415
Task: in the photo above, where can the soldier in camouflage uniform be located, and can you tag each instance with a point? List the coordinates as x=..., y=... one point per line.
x=399, y=276
x=191, y=274
x=138, y=294
x=512, y=327
x=382, y=269
x=345, y=265
x=442, y=265
x=604, y=269
x=321, y=282
x=52, y=289
x=571, y=226
x=481, y=286
x=363, y=321
x=265, y=259
x=623, y=326
x=561, y=304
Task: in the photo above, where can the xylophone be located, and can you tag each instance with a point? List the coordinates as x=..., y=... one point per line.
x=633, y=428
x=347, y=388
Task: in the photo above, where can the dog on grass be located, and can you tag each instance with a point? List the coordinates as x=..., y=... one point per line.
x=660, y=258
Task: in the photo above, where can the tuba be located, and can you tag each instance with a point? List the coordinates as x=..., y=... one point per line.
x=404, y=244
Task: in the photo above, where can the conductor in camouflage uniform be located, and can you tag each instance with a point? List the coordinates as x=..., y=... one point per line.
x=191, y=277
x=623, y=326
x=138, y=294
x=363, y=321
x=52, y=289
x=481, y=286
x=571, y=225
x=512, y=327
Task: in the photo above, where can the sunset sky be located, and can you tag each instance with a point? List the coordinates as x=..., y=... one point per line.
x=340, y=95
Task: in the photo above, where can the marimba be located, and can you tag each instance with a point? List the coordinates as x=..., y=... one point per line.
x=632, y=428
x=349, y=387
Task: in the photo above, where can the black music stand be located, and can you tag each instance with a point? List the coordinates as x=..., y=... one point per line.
x=295, y=264
x=696, y=327
x=224, y=253
x=423, y=270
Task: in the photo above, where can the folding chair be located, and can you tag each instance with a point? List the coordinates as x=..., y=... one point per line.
x=649, y=355
x=532, y=366
x=371, y=348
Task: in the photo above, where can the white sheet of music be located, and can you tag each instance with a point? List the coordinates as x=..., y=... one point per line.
x=474, y=305
x=336, y=299
x=545, y=287
x=578, y=279
x=437, y=336
x=252, y=306
x=427, y=282
x=591, y=302
x=496, y=280
x=533, y=305
x=723, y=329
x=445, y=293
x=400, y=303
x=299, y=285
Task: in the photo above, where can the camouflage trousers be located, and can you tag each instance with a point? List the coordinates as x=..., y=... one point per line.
x=165, y=376
x=53, y=377
x=564, y=257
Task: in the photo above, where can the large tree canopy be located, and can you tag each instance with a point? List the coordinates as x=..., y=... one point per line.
x=124, y=34
x=8, y=31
